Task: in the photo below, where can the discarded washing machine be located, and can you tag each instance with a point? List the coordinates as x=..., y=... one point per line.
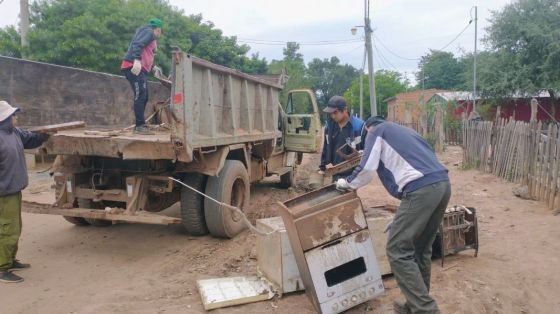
x=333, y=249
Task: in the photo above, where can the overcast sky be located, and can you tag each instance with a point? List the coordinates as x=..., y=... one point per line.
x=408, y=28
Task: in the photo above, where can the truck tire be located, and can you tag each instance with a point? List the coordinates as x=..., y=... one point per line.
x=231, y=186
x=288, y=179
x=192, y=205
x=78, y=221
x=85, y=203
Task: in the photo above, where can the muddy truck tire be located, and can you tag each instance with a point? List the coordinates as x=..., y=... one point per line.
x=59, y=186
x=85, y=203
x=231, y=186
x=78, y=221
x=192, y=205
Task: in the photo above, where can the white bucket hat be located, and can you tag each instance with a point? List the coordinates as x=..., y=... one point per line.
x=6, y=110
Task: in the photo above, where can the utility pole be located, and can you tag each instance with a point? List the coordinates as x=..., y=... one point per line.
x=474, y=63
x=362, y=86
x=368, y=31
x=24, y=22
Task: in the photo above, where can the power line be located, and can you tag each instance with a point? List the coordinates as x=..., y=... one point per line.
x=416, y=59
x=456, y=37
x=392, y=52
x=386, y=60
x=350, y=51
x=309, y=43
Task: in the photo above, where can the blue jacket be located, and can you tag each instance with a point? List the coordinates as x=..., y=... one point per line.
x=404, y=161
x=13, y=170
x=334, y=138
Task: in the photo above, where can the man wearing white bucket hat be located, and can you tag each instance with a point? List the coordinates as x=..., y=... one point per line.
x=13, y=179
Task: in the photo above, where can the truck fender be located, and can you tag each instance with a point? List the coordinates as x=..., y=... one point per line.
x=211, y=163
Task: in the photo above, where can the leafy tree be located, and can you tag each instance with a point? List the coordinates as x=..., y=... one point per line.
x=524, y=38
x=295, y=68
x=291, y=52
x=440, y=70
x=329, y=77
x=10, y=42
x=387, y=85
x=94, y=34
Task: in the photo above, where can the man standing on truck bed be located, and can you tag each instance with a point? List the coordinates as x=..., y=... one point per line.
x=410, y=171
x=342, y=131
x=13, y=179
x=137, y=63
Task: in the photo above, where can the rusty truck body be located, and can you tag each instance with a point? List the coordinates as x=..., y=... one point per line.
x=219, y=131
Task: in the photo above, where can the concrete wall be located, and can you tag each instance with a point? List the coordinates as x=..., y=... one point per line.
x=50, y=94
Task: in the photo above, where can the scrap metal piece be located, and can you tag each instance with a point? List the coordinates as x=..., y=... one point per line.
x=222, y=292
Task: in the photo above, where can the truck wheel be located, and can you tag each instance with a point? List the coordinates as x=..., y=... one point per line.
x=192, y=205
x=288, y=179
x=85, y=203
x=78, y=221
x=231, y=186
x=59, y=184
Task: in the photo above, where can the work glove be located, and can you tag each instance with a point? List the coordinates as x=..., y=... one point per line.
x=388, y=226
x=157, y=71
x=342, y=185
x=136, y=67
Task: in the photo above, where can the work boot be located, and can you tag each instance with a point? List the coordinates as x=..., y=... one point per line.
x=143, y=130
x=401, y=307
x=17, y=265
x=9, y=277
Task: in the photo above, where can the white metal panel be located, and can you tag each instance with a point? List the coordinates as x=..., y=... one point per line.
x=325, y=258
x=223, y=292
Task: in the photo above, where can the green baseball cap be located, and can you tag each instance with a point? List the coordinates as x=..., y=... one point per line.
x=156, y=23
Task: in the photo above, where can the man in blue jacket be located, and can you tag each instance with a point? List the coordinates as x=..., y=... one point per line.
x=13, y=179
x=137, y=63
x=410, y=171
x=341, y=129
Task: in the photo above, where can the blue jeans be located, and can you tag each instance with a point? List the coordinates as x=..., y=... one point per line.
x=140, y=90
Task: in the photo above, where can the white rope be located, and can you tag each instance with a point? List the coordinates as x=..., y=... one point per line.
x=233, y=208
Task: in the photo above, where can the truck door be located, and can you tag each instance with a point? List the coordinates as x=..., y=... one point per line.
x=302, y=125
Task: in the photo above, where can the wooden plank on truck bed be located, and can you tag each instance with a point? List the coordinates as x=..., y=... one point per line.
x=112, y=214
x=59, y=127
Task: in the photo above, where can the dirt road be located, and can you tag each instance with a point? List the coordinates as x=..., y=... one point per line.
x=152, y=269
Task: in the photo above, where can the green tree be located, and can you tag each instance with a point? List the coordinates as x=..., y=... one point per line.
x=524, y=38
x=10, y=42
x=94, y=34
x=440, y=70
x=295, y=68
x=329, y=77
x=387, y=85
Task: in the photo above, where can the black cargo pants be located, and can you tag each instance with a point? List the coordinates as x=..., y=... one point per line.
x=140, y=90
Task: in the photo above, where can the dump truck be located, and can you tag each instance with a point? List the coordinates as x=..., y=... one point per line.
x=219, y=131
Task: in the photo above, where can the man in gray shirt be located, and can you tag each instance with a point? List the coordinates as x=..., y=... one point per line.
x=13, y=179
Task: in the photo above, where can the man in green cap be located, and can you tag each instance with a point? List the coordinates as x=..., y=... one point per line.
x=13, y=179
x=137, y=63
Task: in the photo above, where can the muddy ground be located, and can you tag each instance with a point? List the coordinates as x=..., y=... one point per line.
x=152, y=269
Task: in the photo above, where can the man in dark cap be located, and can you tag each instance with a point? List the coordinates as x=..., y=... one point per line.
x=13, y=179
x=410, y=171
x=342, y=131
x=137, y=63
